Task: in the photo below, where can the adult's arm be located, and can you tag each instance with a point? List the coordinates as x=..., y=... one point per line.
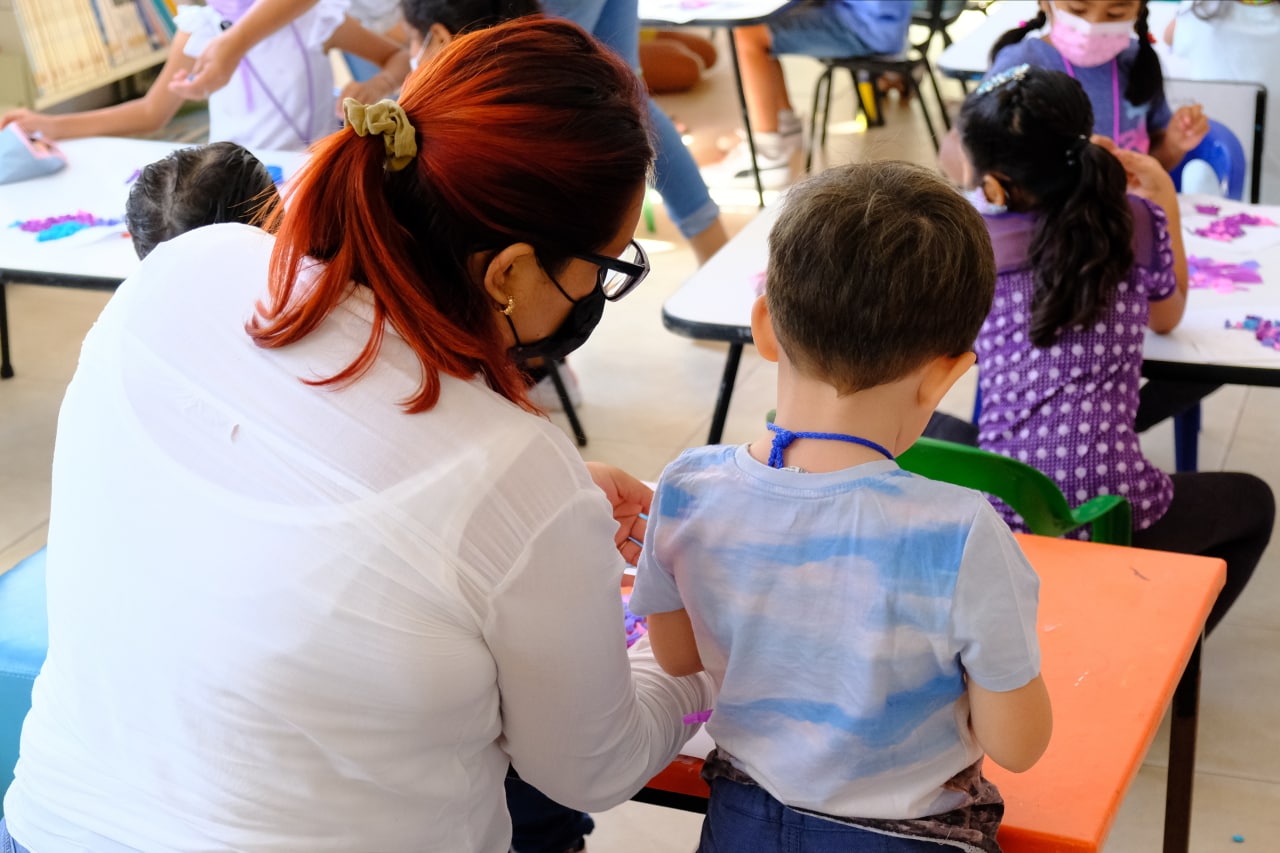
x=583, y=721
x=220, y=57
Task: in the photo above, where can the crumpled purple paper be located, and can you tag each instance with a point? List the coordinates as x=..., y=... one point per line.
x=1230, y=228
x=1223, y=277
x=1266, y=331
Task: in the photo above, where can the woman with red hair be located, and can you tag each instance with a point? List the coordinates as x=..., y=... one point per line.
x=318, y=572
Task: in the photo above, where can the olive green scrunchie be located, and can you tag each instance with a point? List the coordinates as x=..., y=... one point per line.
x=388, y=120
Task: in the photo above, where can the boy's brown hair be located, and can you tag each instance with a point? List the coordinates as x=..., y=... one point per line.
x=875, y=268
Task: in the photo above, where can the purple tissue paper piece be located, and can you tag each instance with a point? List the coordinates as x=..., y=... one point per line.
x=1231, y=227
x=698, y=717
x=1267, y=332
x=636, y=626
x=1224, y=277
x=1208, y=209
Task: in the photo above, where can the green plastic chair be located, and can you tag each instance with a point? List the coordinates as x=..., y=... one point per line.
x=1028, y=491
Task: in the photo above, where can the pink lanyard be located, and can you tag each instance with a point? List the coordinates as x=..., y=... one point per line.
x=1115, y=94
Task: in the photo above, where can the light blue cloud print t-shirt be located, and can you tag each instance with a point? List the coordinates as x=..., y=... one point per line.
x=836, y=613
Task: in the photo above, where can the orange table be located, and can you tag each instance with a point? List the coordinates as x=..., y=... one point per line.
x=1120, y=633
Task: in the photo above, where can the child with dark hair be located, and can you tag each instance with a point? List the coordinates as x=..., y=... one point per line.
x=436, y=22
x=1091, y=42
x=1083, y=269
x=193, y=187
x=872, y=633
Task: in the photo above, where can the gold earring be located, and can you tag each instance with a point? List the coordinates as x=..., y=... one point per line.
x=511, y=303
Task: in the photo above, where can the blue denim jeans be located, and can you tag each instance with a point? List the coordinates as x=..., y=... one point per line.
x=839, y=28
x=676, y=175
x=747, y=817
x=7, y=844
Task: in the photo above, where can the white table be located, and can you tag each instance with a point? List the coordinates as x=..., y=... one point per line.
x=96, y=180
x=714, y=304
x=969, y=57
x=718, y=13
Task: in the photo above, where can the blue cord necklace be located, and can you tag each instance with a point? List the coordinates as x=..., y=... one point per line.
x=783, y=438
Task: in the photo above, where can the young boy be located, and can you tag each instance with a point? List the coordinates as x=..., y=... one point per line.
x=872, y=633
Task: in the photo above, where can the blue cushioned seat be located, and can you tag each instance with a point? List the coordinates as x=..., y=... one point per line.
x=24, y=641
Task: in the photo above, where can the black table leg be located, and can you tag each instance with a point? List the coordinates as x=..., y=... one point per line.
x=726, y=391
x=1182, y=757
x=746, y=122
x=6, y=367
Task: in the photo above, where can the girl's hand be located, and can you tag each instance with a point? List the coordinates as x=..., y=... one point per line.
x=1186, y=129
x=31, y=123
x=630, y=499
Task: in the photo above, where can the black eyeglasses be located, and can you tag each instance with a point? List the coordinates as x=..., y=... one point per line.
x=618, y=276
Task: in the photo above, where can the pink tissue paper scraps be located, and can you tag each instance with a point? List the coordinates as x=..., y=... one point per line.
x=1208, y=209
x=1230, y=228
x=1223, y=277
x=1266, y=331
x=57, y=227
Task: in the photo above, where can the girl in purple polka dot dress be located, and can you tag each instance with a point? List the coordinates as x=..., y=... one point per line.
x=1084, y=268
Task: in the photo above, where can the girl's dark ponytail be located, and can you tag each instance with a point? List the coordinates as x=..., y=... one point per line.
x=1082, y=249
x=1028, y=128
x=1017, y=34
x=1146, y=80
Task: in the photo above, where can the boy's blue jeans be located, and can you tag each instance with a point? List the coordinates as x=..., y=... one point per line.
x=747, y=817
x=7, y=844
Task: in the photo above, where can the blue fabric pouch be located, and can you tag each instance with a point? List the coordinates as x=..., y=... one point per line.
x=23, y=157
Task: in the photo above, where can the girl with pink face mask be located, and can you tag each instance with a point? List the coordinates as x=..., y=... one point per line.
x=1091, y=40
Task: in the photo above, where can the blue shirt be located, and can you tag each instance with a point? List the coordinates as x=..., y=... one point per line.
x=1137, y=122
x=837, y=614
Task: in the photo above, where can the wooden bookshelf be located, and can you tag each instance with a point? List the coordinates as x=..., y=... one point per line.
x=18, y=84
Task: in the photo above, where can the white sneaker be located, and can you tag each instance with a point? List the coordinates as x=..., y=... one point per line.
x=543, y=394
x=735, y=169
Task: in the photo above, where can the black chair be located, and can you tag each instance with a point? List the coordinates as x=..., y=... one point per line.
x=866, y=69
x=934, y=16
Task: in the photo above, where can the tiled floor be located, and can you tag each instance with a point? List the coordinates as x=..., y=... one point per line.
x=649, y=395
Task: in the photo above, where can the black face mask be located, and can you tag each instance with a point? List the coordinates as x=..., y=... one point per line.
x=569, y=335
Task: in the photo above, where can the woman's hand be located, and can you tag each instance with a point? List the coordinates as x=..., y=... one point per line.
x=630, y=499
x=31, y=123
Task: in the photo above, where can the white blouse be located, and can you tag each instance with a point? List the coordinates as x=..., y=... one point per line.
x=287, y=618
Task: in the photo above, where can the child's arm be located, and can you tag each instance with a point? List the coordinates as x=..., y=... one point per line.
x=674, y=646
x=1012, y=727
x=352, y=37
x=149, y=113
x=1147, y=178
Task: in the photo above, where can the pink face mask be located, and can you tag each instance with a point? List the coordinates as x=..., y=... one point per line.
x=1087, y=44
